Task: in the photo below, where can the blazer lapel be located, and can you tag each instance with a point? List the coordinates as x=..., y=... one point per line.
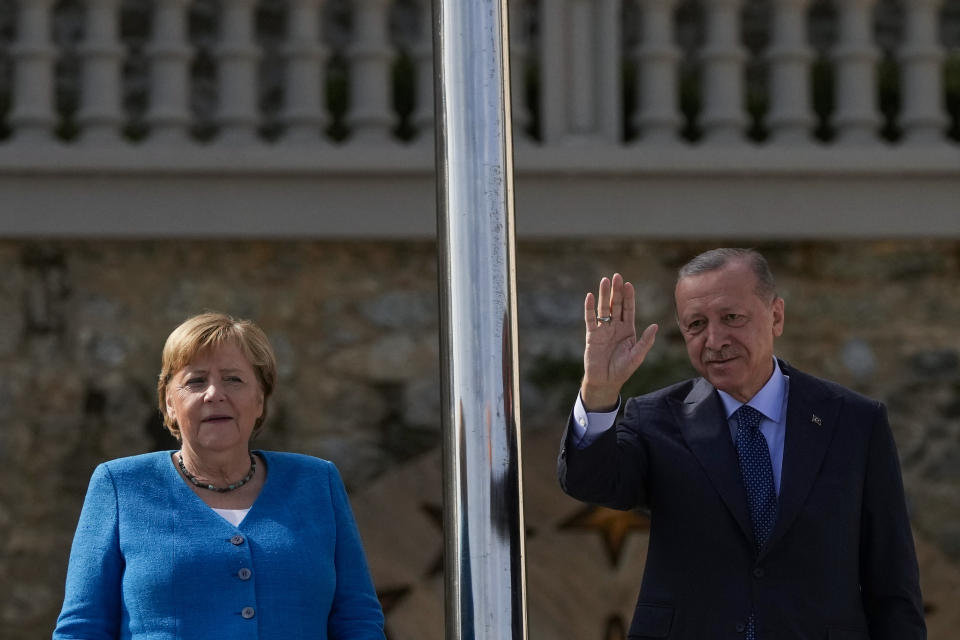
x=811, y=422
x=707, y=432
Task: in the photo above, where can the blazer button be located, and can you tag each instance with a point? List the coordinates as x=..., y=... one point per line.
x=759, y=572
x=244, y=574
x=236, y=540
x=741, y=627
x=248, y=612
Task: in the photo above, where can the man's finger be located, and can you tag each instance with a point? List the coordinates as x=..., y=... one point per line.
x=629, y=303
x=616, y=301
x=644, y=344
x=603, y=299
x=589, y=312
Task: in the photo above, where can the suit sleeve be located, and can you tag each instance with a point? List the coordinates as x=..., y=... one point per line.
x=355, y=613
x=611, y=470
x=889, y=576
x=91, y=603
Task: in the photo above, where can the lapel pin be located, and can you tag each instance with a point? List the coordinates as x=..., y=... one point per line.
x=816, y=420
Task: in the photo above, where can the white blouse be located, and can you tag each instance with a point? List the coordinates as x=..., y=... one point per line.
x=233, y=516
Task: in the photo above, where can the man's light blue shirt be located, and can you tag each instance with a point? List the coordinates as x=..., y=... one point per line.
x=771, y=401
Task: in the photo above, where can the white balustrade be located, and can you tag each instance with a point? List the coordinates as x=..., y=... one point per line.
x=580, y=71
x=168, y=114
x=658, y=117
x=579, y=180
x=237, y=56
x=921, y=80
x=304, y=111
x=370, y=116
x=33, y=116
x=857, y=117
x=790, y=118
x=101, y=114
x=519, y=53
x=580, y=74
x=422, y=117
x=724, y=117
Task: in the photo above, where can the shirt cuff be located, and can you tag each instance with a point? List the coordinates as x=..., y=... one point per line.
x=588, y=426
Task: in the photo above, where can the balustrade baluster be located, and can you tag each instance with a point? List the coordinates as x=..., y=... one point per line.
x=923, y=118
x=553, y=70
x=370, y=116
x=658, y=117
x=169, y=51
x=791, y=115
x=520, y=114
x=237, y=56
x=101, y=114
x=724, y=117
x=581, y=100
x=580, y=71
x=857, y=116
x=422, y=117
x=32, y=116
x=304, y=112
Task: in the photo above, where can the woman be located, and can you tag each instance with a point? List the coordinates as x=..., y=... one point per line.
x=215, y=540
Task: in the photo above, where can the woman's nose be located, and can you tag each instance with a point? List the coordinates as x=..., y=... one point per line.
x=214, y=393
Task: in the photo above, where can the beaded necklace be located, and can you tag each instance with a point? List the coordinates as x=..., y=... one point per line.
x=203, y=485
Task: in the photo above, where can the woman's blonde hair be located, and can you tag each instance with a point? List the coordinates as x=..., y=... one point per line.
x=211, y=330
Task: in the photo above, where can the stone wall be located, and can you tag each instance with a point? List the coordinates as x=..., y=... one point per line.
x=355, y=327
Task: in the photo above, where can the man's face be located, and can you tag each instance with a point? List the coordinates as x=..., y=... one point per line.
x=729, y=330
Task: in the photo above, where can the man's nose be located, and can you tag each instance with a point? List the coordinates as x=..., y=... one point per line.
x=716, y=337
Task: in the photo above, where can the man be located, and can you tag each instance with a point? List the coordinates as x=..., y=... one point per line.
x=782, y=520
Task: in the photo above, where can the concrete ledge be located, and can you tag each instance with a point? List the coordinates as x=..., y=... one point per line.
x=389, y=192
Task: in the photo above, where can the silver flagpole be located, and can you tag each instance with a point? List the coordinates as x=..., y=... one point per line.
x=483, y=499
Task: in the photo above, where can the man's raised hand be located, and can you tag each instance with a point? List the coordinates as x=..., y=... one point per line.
x=612, y=351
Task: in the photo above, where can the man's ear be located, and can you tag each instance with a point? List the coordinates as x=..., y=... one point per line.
x=778, y=319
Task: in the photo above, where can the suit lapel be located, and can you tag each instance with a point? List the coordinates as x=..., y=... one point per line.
x=811, y=422
x=707, y=432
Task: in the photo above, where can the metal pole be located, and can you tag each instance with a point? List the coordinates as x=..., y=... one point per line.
x=483, y=500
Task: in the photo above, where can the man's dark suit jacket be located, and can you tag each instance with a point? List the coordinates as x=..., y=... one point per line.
x=840, y=563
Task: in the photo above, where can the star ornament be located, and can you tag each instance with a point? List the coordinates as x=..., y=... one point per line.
x=613, y=527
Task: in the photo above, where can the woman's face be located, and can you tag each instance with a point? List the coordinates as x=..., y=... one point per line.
x=216, y=399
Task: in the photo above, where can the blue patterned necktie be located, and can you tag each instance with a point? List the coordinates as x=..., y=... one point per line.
x=757, y=473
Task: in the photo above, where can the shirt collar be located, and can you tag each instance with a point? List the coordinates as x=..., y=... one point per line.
x=768, y=401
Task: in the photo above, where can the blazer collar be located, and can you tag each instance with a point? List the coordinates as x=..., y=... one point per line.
x=812, y=411
x=704, y=426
